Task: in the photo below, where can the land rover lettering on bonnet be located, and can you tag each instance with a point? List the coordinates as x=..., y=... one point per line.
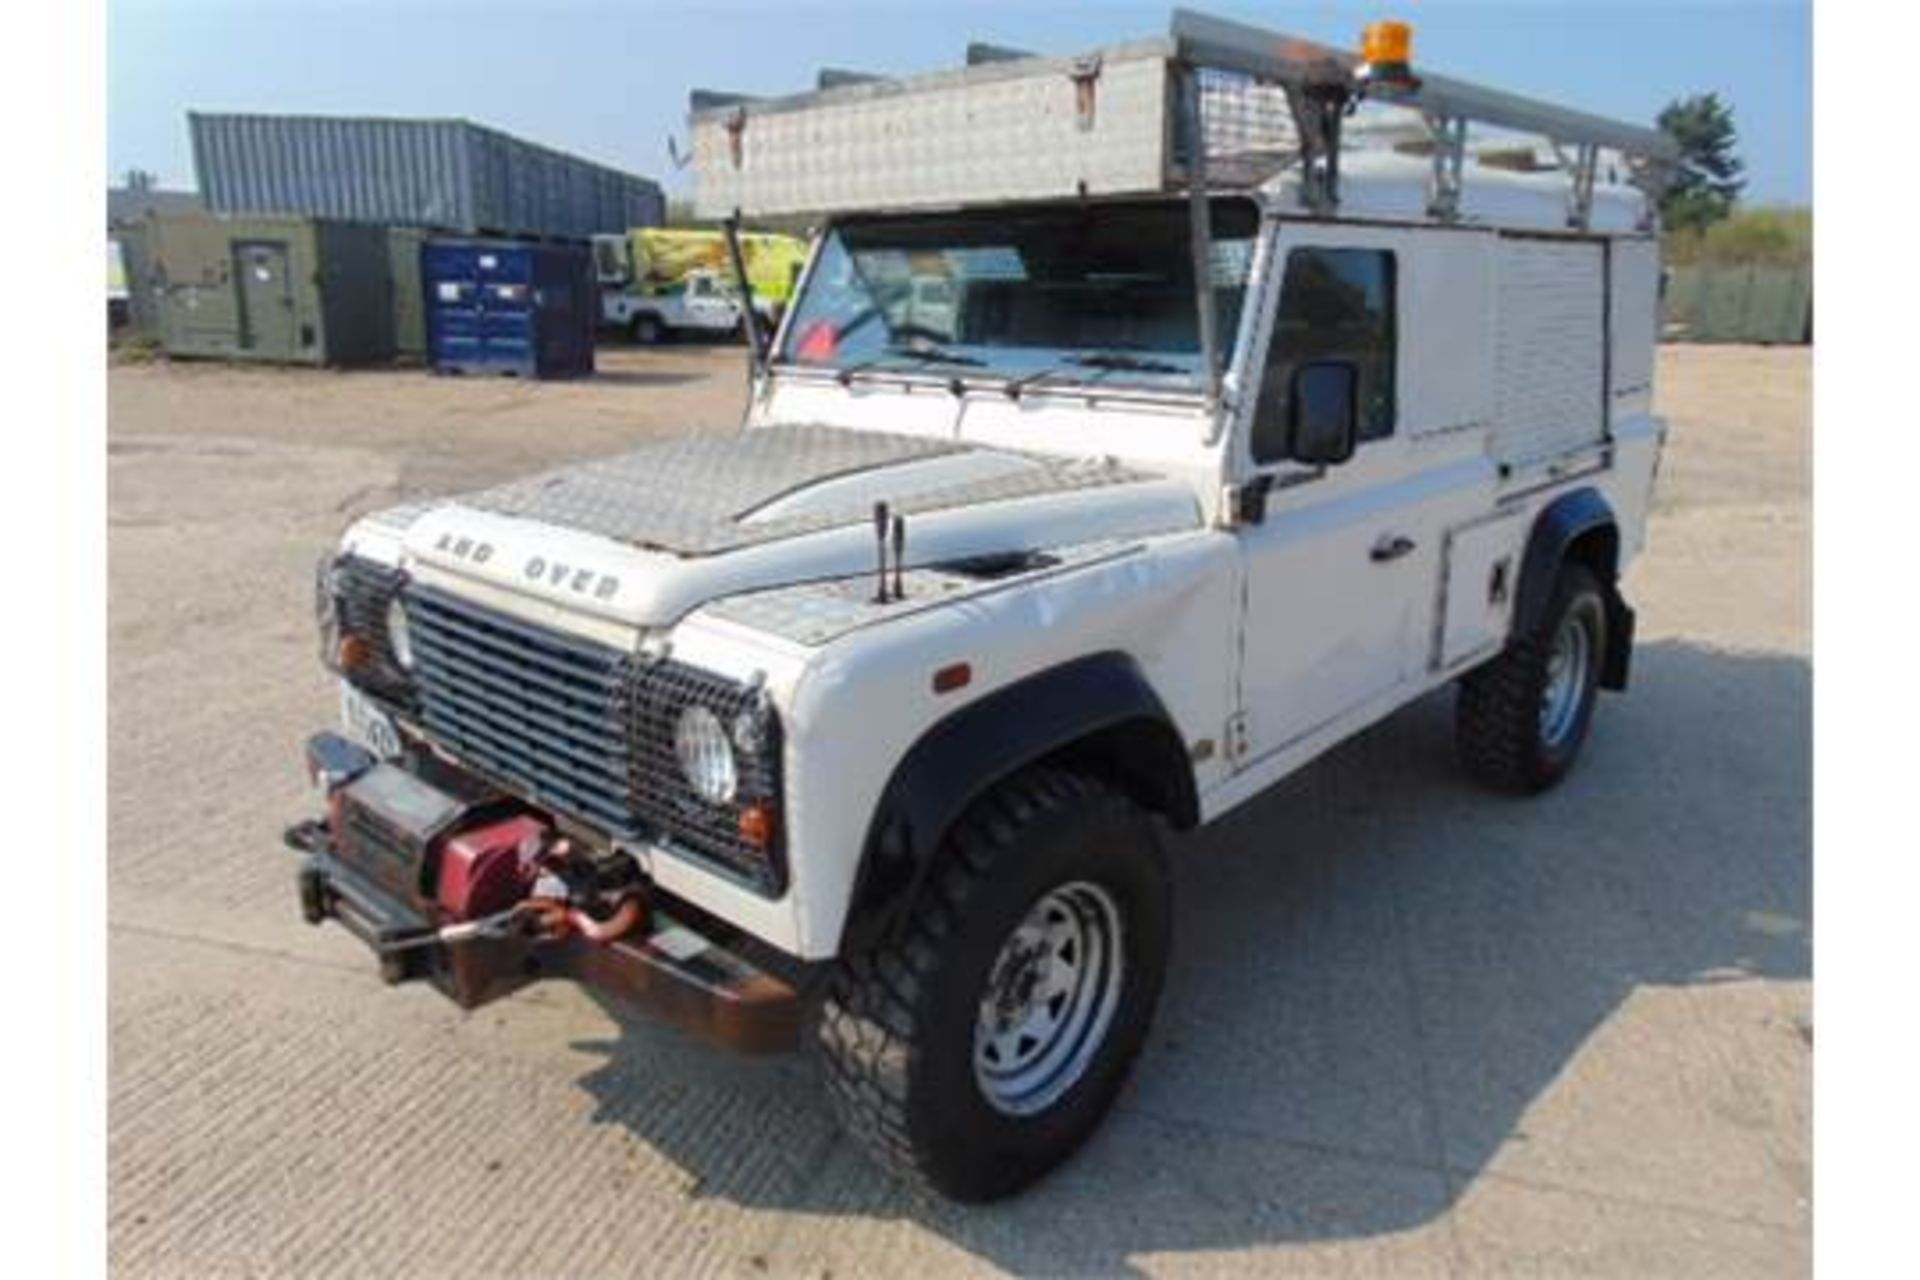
x=464, y=548
x=601, y=586
x=1176, y=413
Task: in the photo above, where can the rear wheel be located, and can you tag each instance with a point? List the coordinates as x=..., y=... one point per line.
x=981, y=1047
x=1522, y=718
x=645, y=330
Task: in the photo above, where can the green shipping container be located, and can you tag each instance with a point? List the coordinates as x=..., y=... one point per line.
x=409, y=303
x=284, y=289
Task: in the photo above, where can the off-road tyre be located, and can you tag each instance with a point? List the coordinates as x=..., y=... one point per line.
x=645, y=330
x=896, y=1033
x=1499, y=726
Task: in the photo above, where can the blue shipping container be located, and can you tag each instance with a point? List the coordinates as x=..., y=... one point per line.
x=501, y=306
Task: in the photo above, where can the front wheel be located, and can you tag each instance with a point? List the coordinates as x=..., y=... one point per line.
x=982, y=1046
x=1523, y=717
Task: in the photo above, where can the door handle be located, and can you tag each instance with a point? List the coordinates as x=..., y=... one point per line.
x=1391, y=548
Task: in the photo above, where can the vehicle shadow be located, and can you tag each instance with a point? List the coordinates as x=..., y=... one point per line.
x=1379, y=971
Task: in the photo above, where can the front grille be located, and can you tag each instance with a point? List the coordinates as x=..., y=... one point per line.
x=586, y=728
x=537, y=708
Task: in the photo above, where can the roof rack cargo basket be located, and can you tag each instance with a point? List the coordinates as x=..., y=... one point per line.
x=1122, y=121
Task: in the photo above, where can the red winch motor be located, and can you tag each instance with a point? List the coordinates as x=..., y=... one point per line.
x=486, y=870
x=515, y=870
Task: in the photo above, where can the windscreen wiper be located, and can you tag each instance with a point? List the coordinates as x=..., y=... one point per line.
x=926, y=353
x=1123, y=362
x=1017, y=387
x=922, y=354
x=1106, y=361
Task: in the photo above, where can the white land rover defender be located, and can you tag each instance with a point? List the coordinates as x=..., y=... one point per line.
x=1145, y=424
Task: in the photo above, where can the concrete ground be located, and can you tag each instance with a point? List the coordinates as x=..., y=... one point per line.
x=1411, y=1029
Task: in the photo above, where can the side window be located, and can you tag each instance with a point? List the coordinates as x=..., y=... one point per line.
x=1335, y=304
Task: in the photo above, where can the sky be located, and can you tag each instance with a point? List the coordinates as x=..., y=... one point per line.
x=609, y=81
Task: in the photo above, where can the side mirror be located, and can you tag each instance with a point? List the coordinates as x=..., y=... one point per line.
x=1323, y=412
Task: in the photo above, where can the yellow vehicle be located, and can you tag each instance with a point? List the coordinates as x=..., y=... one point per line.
x=656, y=282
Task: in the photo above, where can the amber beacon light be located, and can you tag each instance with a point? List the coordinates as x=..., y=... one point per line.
x=1386, y=54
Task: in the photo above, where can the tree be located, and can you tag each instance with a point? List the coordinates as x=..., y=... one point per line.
x=1708, y=179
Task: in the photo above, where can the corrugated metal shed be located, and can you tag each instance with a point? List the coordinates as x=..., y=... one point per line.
x=450, y=175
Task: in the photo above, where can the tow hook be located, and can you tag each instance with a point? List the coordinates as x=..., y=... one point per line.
x=556, y=905
x=542, y=919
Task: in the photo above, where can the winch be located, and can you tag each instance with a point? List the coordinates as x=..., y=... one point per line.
x=449, y=879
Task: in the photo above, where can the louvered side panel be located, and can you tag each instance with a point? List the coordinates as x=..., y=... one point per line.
x=1549, y=356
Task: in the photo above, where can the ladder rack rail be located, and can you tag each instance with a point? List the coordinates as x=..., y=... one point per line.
x=1202, y=40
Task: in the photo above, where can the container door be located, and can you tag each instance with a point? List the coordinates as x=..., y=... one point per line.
x=264, y=287
x=505, y=296
x=453, y=306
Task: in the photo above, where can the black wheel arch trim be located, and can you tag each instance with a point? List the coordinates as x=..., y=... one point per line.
x=1580, y=526
x=1099, y=710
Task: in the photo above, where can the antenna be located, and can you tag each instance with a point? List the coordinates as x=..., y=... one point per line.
x=880, y=544
x=899, y=556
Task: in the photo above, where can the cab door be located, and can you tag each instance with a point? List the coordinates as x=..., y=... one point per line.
x=708, y=306
x=1339, y=568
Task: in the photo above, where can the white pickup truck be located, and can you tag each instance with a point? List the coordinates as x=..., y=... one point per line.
x=1145, y=424
x=703, y=306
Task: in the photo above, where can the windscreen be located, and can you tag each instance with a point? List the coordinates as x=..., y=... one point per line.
x=1097, y=293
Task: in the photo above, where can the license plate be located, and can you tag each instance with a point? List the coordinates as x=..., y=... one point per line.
x=367, y=724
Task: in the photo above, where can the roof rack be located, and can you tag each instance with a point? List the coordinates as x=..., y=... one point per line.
x=1213, y=105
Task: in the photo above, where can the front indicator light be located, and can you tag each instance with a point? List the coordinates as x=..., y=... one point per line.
x=759, y=824
x=355, y=652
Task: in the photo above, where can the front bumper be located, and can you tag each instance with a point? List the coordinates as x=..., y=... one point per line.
x=668, y=969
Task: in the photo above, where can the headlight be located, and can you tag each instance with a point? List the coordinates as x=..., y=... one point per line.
x=706, y=755
x=399, y=639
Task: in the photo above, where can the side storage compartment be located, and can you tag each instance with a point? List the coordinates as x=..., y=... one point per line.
x=1480, y=569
